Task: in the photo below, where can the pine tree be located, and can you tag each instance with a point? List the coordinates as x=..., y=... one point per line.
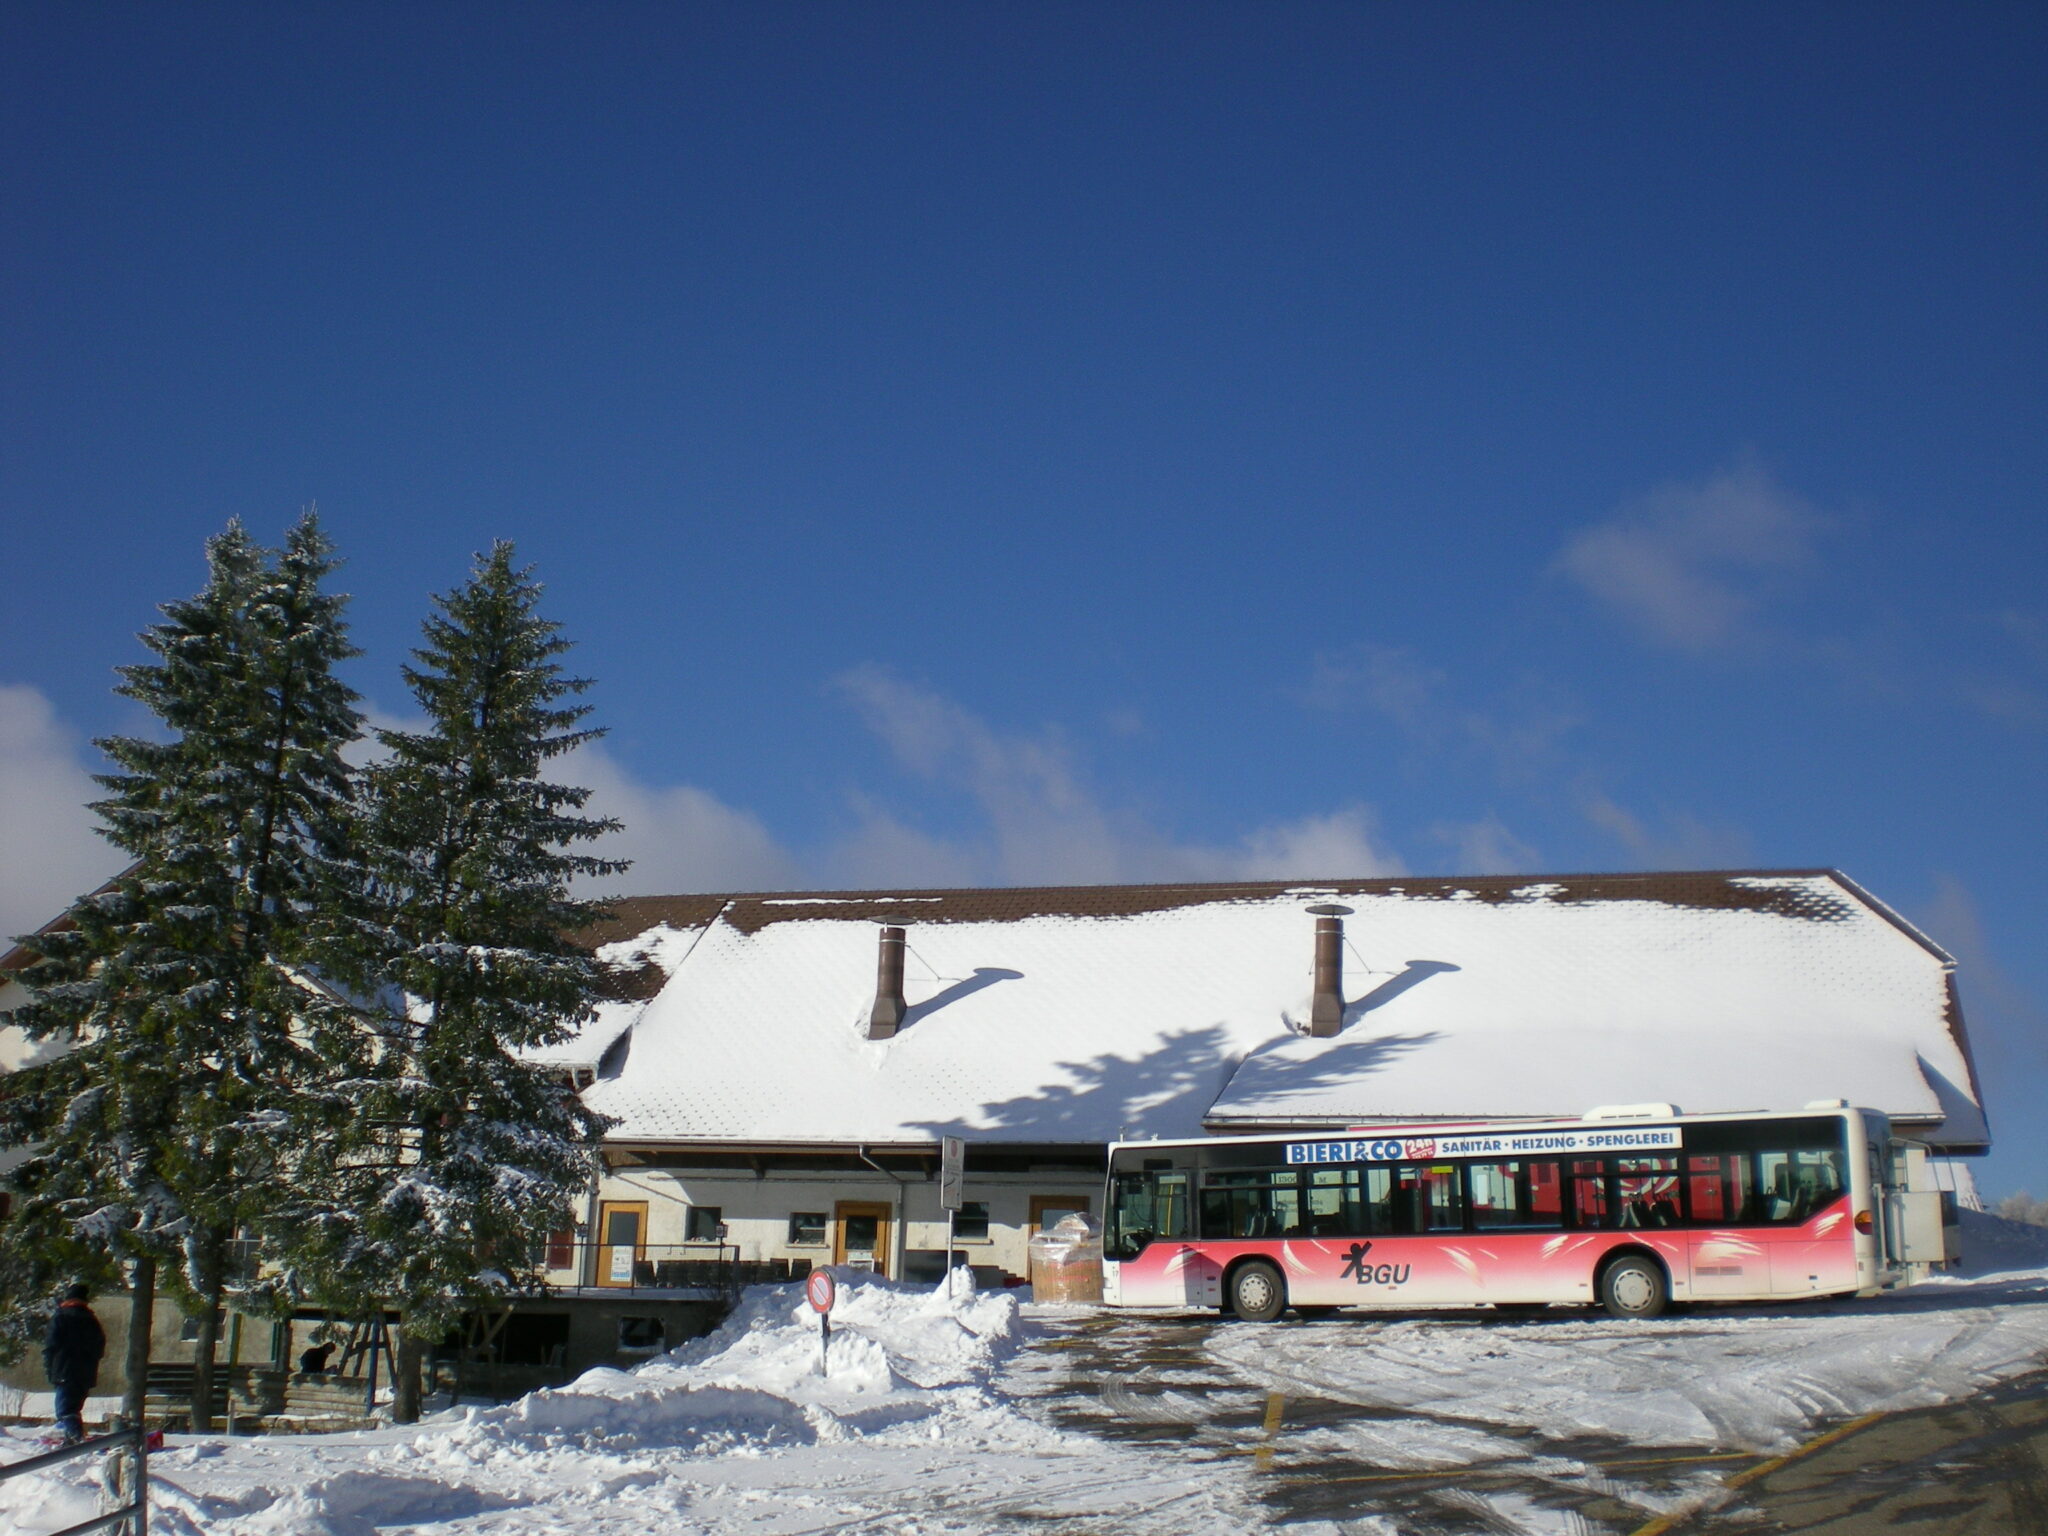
x=201, y=1045
x=469, y=1155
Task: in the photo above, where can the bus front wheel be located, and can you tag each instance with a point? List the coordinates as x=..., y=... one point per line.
x=1634, y=1287
x=1257, y=1293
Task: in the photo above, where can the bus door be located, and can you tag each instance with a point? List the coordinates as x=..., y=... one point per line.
x=1720, y=1193
x=1148, y=1237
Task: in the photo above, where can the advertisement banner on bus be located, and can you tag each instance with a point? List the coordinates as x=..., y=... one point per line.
x=1393, y=1149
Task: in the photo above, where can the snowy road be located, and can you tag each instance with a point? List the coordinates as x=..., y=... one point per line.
x=979, y=1417
x=1566, y=1423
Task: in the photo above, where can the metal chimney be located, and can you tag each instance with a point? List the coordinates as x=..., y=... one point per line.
x=1326, y=1007
x=886, y=1017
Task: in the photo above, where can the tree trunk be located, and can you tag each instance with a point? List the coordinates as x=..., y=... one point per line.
x=202, y=1361
x=141, y=1315
x=406, y=1355
x=211, y=1262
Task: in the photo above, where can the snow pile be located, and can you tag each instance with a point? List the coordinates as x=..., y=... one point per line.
x=900, y=1360
x=1992, y=1245
x=909, y=1433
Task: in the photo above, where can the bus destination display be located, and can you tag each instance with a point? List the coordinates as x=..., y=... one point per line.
x=1492, y=1144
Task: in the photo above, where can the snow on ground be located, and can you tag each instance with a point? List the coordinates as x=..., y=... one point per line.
x=734, y=1433
x=933, y=1419
x=1745, y=1377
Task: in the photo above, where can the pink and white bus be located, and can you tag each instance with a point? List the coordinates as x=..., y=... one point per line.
x=1632, y=1207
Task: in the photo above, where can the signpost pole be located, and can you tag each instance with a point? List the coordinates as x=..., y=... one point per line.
x=952, y=1176
x=820, y=1290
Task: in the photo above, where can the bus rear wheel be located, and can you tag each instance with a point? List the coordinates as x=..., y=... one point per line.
x=1257, y=1293
x=1634, y=1287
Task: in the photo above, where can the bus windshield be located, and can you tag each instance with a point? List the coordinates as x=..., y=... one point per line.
x=1150, y=1205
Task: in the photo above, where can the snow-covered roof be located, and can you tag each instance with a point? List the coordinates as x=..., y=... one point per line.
x=1083, y=1014
x=637, y=965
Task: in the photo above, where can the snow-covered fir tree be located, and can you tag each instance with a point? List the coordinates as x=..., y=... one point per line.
x=201, y=1051
x=468, y=1155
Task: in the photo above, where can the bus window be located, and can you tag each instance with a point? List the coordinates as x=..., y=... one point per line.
x=1588, y=1186
x=1442, y=1199
x=1646, y=1191
x=1334, y=1207
x=1546, y=1194
x=1252, y=1203
x=1797, y=1184
x=1501, y=1198
x=1718, y=1191
x=1377, y=1207
x=1145, y=1207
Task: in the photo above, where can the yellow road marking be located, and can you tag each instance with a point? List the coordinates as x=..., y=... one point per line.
x=1664, y=1523
x=1276, y=1405
x=1840, y=1432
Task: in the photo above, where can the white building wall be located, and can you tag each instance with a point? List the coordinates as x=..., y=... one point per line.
x=757, y=1210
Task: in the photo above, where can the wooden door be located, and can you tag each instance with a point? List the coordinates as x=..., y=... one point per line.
x=860, y=1235
x=1046, y=1210
x=621, y=1240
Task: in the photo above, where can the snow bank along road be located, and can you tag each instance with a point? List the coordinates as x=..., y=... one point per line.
x=947, y=1417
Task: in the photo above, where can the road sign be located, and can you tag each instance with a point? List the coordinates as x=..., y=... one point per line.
x=952, y=1171
x=821, y=1290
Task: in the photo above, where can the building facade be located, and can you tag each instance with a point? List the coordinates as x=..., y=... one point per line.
x=780, y=1068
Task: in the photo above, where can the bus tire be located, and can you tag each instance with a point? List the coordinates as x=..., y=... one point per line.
x=1634, y=1286
x=1257, y=1293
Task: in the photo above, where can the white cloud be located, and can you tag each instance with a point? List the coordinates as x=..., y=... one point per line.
x=1344, y=845
x=1045, y=825
x=49, y=852
x=885, y=853
x=1389, y=679
x=1517, y=735
x=679, y=837
x=1689, y=564
x=1485, y=847
x=1681, y=841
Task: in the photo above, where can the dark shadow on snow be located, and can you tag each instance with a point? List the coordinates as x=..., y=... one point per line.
x=1418, y=972
x=1165, y=1091
x=984, y=976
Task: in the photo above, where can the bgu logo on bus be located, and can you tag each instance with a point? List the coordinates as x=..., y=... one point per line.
x=1356, y=1268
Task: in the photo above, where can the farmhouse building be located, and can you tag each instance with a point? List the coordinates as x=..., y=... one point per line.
x=780, y=1068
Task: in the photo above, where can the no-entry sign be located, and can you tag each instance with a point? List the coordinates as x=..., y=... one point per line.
x=821, y=1290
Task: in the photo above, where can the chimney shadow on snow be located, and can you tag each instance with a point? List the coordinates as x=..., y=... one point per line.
x=984, y=976
x=1417, y=972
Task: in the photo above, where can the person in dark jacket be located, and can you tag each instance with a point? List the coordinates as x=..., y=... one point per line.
x=71, y=1357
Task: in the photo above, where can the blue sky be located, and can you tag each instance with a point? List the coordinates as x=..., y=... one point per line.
x=1019, y=443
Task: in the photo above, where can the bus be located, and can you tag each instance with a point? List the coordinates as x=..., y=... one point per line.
x=1631, y=1207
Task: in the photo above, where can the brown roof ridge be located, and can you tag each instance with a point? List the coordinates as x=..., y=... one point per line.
x=751, y=911
x=1272, y=886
